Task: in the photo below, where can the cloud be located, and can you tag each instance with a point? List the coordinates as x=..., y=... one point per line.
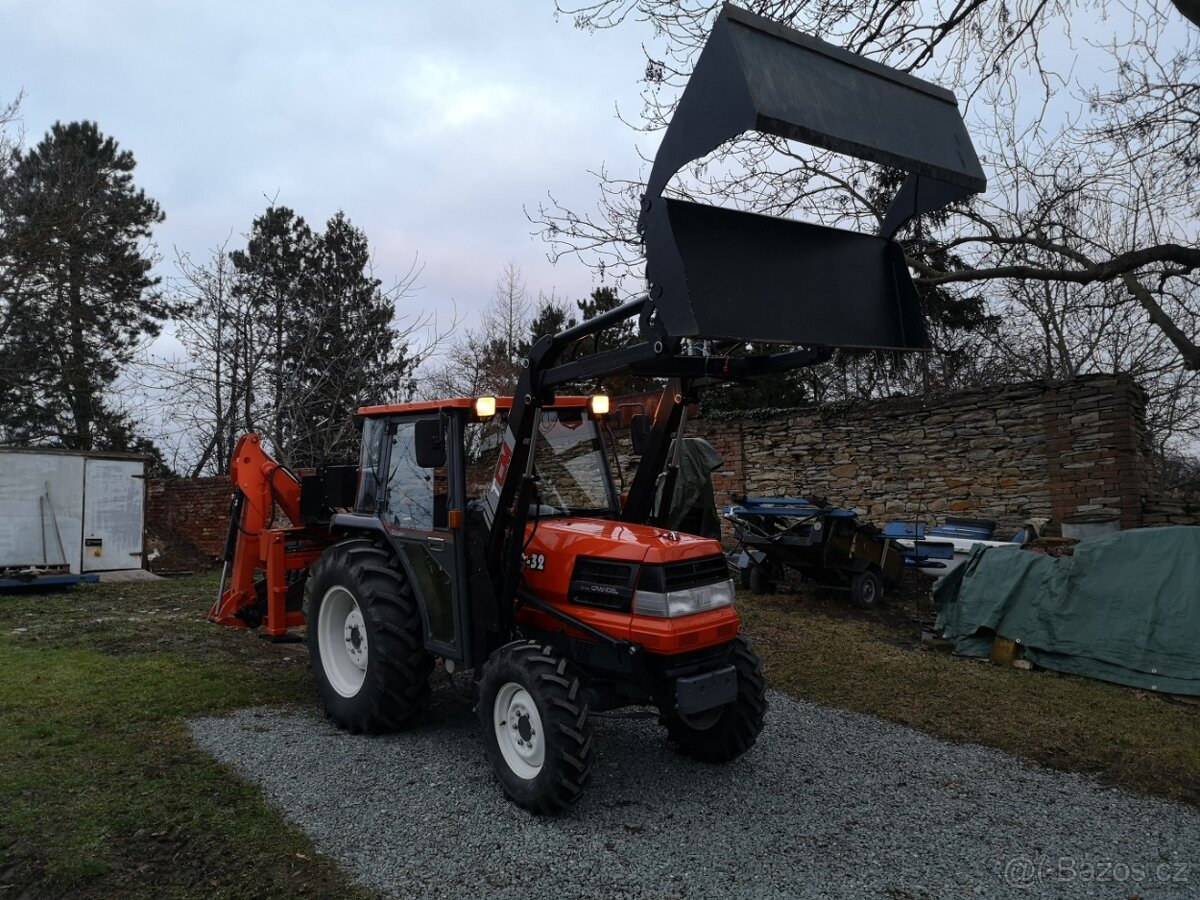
x=431, y=125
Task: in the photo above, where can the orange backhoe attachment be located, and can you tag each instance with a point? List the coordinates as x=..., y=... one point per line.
x=261, y=487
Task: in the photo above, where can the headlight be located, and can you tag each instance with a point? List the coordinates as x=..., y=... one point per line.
x=683, y=602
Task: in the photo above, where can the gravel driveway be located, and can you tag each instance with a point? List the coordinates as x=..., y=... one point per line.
x=829, y=804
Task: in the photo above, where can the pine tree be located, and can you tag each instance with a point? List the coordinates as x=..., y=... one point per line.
x=353, y=354
x=78, y=295
x=551, y=318
x=623, y=334
x=602, y=300
x=325, y=335
x=274, y=276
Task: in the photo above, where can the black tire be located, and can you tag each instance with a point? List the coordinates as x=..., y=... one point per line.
x=760, y=580
x=556, y=690
x=727, y=732
x=395, y=685
x=866, y=588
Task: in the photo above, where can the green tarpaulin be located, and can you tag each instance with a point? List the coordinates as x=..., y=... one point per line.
x=693, y=505
x=1124, y=608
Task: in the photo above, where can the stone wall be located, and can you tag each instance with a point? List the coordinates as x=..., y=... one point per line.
x=1170, y=511
x=1008, y=454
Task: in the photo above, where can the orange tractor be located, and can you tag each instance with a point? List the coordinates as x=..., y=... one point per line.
x=561, y=595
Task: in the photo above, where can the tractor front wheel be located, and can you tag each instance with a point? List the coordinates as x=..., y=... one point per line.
x=535, y=726
x=365, y=640
x=726, y=732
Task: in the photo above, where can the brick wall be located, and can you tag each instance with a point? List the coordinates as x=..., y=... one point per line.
x=1097, y=454
x=186, y=521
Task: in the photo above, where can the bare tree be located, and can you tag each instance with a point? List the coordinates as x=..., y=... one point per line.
x=486, y=359
x=16, y=288
x=505, y=324
x=1093, y=198
x=210, y=393
x=11, y=286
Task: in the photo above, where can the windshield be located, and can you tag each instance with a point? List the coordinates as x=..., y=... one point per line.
x=573, y=474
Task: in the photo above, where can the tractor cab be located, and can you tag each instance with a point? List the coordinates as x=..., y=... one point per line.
x=585, y=576
x=424, y=468
x=422, y=460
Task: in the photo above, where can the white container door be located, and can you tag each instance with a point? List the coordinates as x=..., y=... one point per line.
x=41, y=509
x=114, y=495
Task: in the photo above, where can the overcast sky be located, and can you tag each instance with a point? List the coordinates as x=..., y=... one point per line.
x=431, y=124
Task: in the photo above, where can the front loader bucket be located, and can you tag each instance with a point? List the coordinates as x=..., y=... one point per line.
x=724, y=274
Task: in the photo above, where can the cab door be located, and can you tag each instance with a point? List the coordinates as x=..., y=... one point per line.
x=416, y=506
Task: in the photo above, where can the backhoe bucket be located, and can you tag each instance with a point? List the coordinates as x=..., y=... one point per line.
x=725, y=274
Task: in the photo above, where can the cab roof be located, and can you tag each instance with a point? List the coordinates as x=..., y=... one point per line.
x=502, y=403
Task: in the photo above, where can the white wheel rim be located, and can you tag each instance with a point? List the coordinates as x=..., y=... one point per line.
x=519, y=731
x=342, y=640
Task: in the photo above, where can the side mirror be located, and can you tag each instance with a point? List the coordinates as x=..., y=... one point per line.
x=639, y=432
x=430, y=440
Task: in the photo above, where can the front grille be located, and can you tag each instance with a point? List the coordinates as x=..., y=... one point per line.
x=695, y=572
x=603, y=583
x=602, y=571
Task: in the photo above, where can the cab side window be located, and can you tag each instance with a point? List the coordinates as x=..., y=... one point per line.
x=370, y=485
x=416, y=497
x=409, y=487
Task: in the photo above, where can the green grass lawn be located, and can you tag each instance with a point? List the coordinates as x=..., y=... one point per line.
x=102, y=792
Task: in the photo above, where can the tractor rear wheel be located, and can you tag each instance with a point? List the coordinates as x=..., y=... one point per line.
x=365, y=639
x=725, y=733
x=535, y=725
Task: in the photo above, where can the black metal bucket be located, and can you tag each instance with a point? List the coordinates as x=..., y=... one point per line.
x=722, y=273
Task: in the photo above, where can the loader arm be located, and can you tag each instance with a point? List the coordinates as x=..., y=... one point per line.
x=260, y=484
x=507, y=502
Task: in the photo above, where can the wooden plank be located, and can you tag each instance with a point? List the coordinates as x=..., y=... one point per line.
x=1004, y=651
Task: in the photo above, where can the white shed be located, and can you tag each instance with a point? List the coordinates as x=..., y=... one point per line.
x=84, y=511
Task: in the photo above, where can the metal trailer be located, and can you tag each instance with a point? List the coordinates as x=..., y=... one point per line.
x=69, y=515
x=823, y=543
